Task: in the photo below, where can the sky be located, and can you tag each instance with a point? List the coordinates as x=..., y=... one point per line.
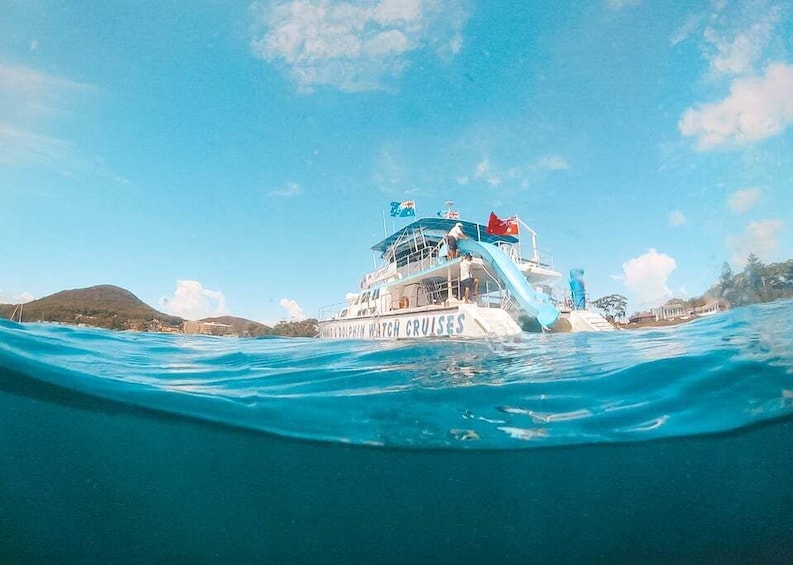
x=238, y=157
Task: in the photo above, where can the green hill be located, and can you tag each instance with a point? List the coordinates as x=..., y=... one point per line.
x=103, y=306
x=114, y=308
x=242, y=326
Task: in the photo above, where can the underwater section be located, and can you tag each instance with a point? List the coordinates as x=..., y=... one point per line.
x=651, y=444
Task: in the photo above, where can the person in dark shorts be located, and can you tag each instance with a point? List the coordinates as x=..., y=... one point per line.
x=469, y=286
x=452, y=251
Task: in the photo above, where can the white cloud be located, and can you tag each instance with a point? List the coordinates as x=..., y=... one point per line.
x=386, y=44
x=293, y=310
x=737, y=51
x=23, y=148
x=619, y=4
x=485, y=171
x=353, y=46
x=494, y=174
x=292, y=189
x=645, y=277
x=757, y=107
x=193, y=302
x=388, y=175
x=552, y=163
x=687, y=29
x=25, y=92
x=742, y=200
x=759, y=238
x=676, y=218
x=24, y=298
x=30, y=101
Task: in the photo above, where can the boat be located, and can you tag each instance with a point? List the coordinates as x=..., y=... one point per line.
x=415, y=291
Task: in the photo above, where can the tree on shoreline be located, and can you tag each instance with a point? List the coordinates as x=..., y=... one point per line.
x=756, y=283
x=613, y=306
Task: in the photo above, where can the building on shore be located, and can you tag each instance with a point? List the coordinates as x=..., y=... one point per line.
x=208, y=328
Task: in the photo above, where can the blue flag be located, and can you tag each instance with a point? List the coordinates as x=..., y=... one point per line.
x=403, y=209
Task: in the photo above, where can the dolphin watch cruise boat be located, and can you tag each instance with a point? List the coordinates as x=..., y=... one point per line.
x=416, y=292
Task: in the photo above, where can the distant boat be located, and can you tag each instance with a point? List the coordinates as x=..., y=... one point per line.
x=415, y=293
x=17, y=313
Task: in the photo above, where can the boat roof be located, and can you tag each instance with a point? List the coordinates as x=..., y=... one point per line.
x=443, y=225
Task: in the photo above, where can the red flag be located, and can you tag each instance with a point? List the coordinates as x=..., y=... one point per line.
x=497, y=226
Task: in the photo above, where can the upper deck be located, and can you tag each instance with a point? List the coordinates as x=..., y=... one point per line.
x=435, y=228
x=416, y=249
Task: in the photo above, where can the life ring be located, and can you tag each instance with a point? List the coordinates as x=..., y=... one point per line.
x=404, y=302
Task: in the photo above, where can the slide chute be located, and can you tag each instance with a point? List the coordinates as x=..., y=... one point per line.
x=536, y=304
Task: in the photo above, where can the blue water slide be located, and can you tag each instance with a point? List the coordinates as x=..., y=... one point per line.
x=535, y=303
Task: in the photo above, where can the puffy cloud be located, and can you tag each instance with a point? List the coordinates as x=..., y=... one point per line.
x=619, y=4
x=742, y=200
x=388, y=174
x=25, y=92
x=645, y=277
x=353, y=46
x=552, y=163
x=495, y=174
x=29, y=98
x=757, y=107
x=737, y=52
x=23, y=298
x=193, y=302
x=292, y=189
x=293, y=310
x=676, y=218
x=485, y=171
x=689, y=27
x=759, y=238
x=23, y=148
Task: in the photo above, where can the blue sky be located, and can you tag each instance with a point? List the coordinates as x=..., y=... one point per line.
x=237, y=157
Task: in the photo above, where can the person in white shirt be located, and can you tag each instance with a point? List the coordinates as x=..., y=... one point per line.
x=468, y=284
x=452, y=251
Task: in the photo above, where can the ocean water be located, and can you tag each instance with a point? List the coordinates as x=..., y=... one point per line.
x=654, y=445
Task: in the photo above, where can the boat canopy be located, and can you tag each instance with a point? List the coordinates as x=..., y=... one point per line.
x=473, y=230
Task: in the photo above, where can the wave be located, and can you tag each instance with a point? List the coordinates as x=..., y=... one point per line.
x=712, y=375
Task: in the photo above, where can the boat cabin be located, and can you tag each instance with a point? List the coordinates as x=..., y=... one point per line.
x=416, y=274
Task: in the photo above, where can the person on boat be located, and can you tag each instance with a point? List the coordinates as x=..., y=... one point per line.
x=469, y=286
x=452, y=251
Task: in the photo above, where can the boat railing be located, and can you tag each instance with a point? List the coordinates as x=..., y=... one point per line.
x=429, y=256
x=544, y=259
x=427, y=294
x=419, y=260
x=331, y=311
x=564, y=301
x=537, y=257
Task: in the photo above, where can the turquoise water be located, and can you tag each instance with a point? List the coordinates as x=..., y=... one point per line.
x=674, y=443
